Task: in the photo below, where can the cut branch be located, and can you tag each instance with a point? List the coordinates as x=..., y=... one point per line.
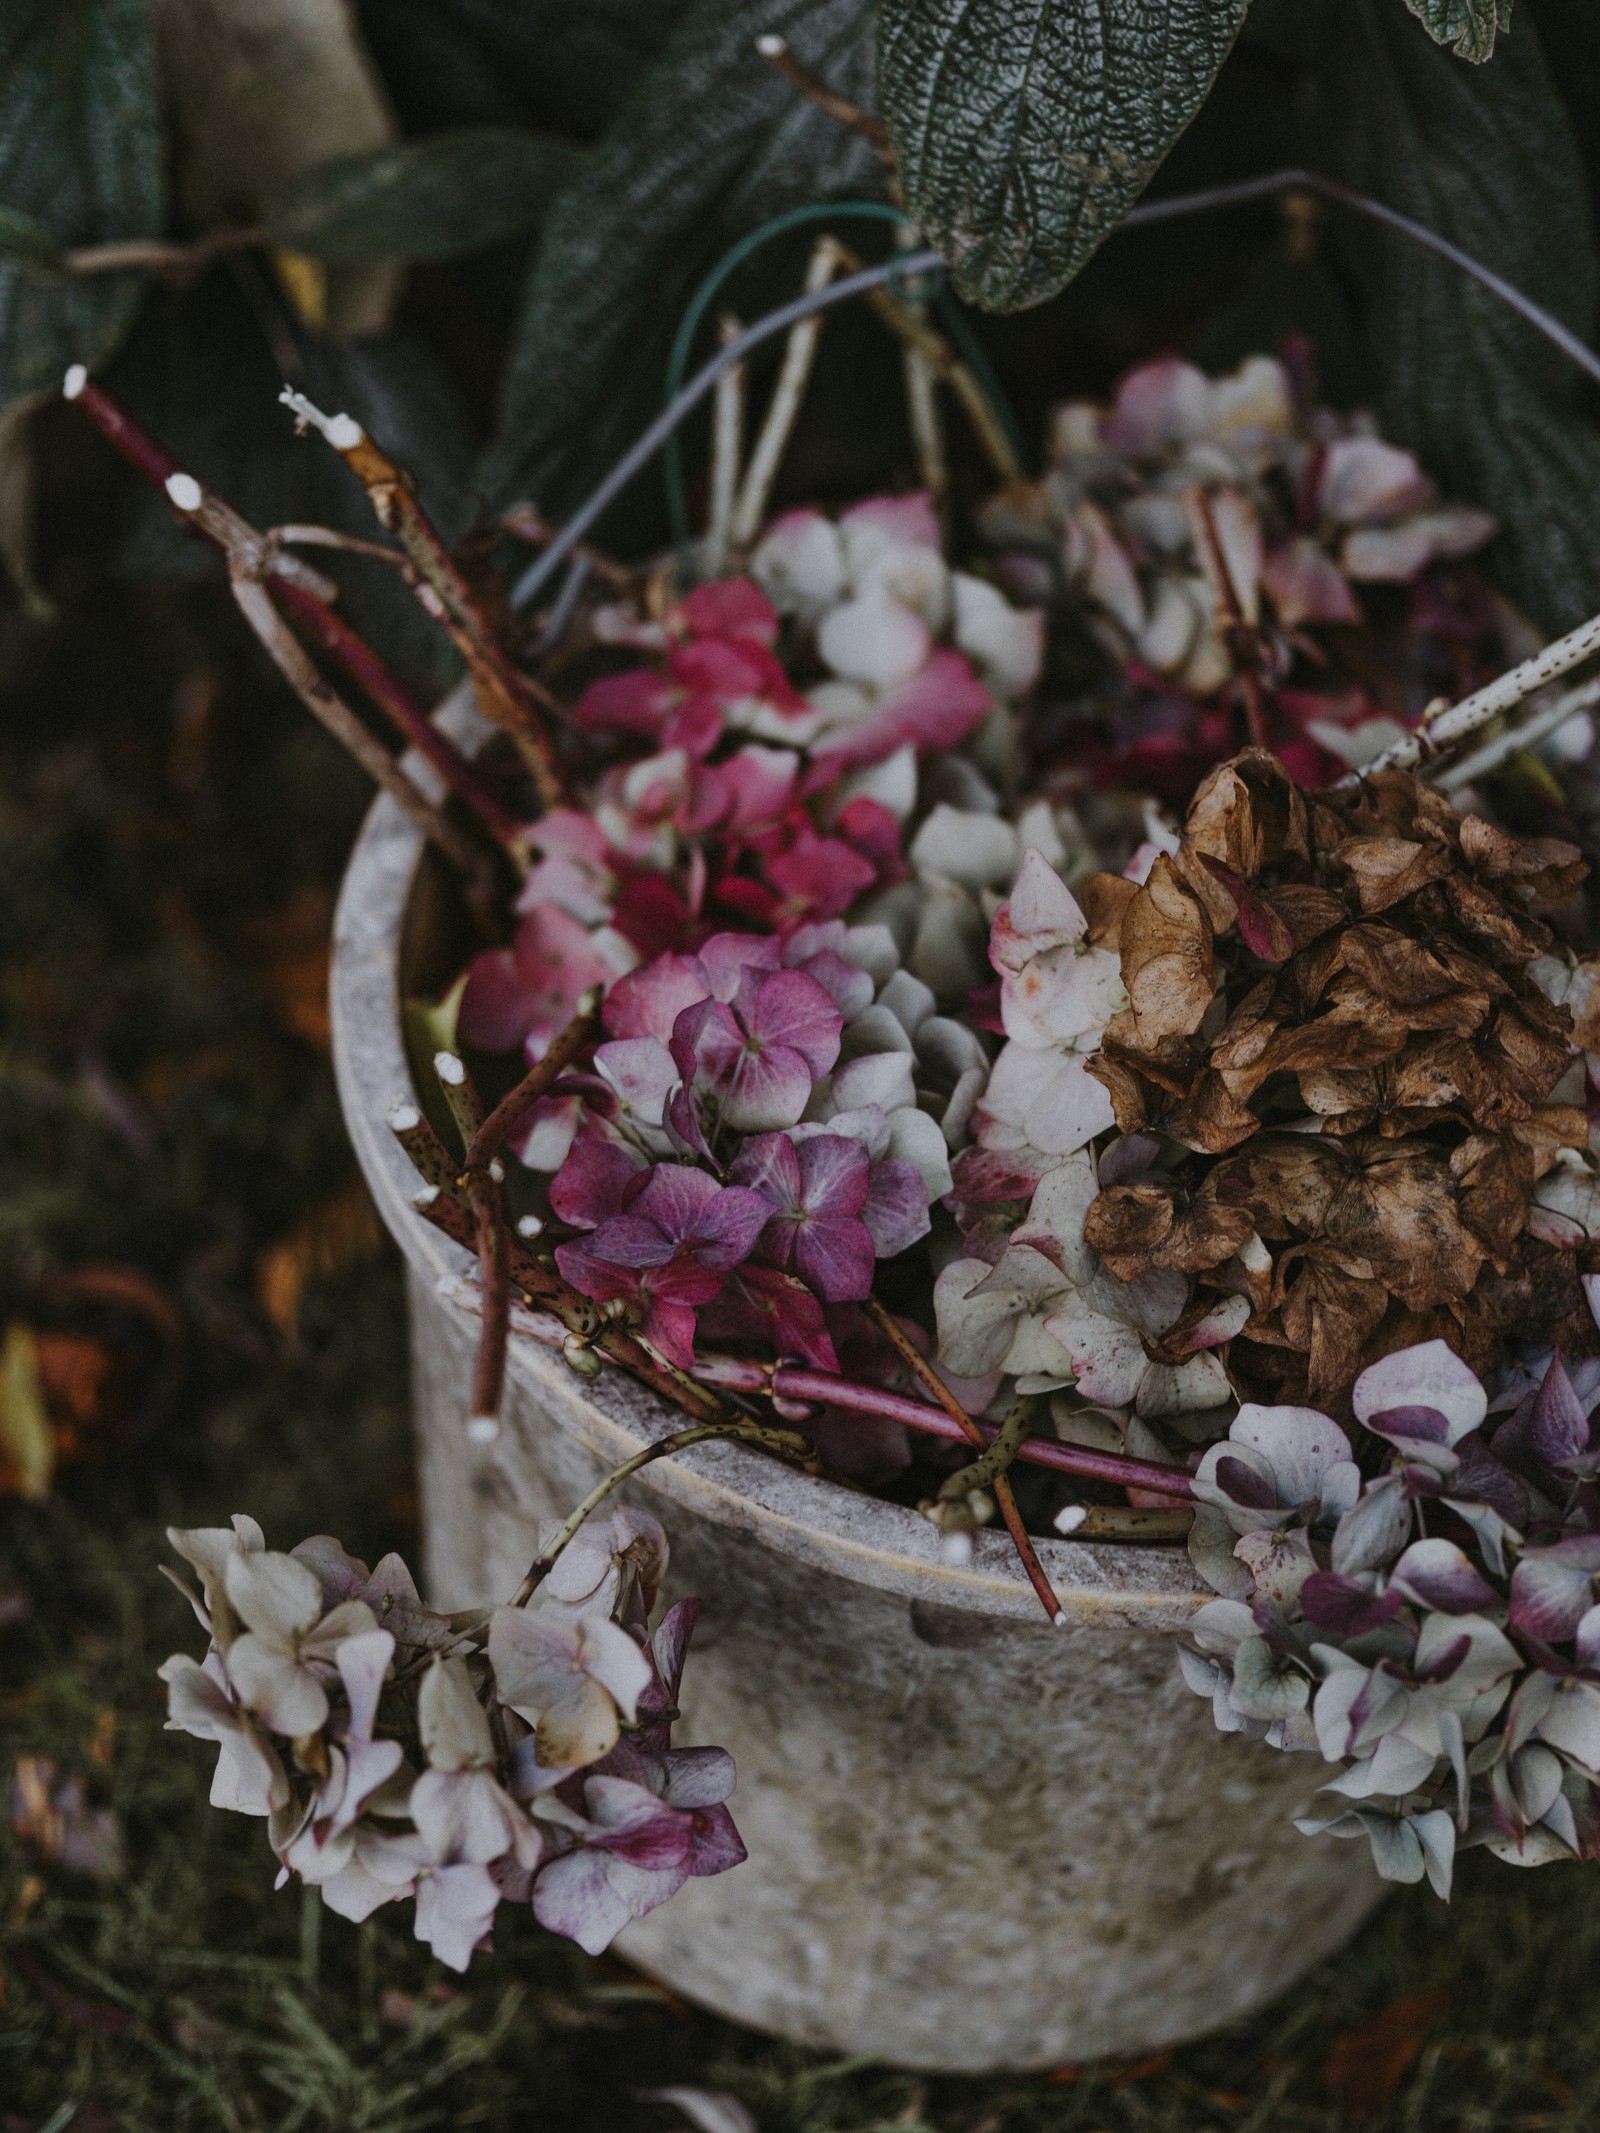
x=798, y=355
x=507, y=696
x=579, y=1033
x=775, y=51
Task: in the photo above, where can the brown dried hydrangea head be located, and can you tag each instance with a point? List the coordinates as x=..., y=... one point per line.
x=1330, y=1007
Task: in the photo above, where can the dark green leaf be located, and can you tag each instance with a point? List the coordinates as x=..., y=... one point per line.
x=432, y=199
x=80, y=156
x=1467, y=26
x=710, y=144
x=1485, y=156
x=1024, y=129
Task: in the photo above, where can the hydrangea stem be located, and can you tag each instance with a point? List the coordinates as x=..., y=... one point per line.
x=579, y=1033
x=782, y=1443
x=1005, y=1499
x=988, y=1469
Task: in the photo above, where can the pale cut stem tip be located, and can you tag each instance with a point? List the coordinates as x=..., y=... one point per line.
x=404, y=1118
x=771, y=46
x=497, y=1170
x=955, y=1549
x=530, y=1226
x=449, y=1069
x=76, y=379
x=343, y=432
x=424, y=1199
x=1070, y=1517
x=1059, y=1619
x=482, y=1429
x=184, y=491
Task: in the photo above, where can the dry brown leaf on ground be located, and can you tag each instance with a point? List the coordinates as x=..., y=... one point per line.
x=1365, y=2067
x=339, y=1233
x=290, y=949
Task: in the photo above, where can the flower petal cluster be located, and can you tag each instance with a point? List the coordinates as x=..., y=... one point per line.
x=1185, y=481
x=1435, y=1630
x=464, y=1760
x=735, y=1160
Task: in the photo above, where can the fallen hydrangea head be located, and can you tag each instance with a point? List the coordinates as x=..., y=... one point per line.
x=519, y=1755
x=1433, y=1630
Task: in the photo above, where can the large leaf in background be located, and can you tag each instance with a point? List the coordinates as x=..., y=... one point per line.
x=433, y=199
x=1467, y=26
x=1023, y=130
x=711, y=143
x=1485, y=156
x=561, y=65
x=80, y=156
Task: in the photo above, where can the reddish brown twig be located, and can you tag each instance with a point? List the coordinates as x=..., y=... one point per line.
x=580, y=1032
x=298, y=590
x=1005, y=1499
x=775, y=51
x=508, y=697
x=481, y=1187
x=524, y=523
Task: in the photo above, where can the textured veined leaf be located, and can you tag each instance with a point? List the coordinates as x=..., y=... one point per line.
x=1024, y=129
x=1488, y=158
x=1468, y=27
x=710, y=144
x=431, y=199
x=80, y=162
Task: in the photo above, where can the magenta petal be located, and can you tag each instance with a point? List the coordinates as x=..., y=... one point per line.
x=726, y=957
x=849, y=989
x=629, y=1240
x=910, y=518
x=771, y=1088
x=769, y=1164
x=573, y=1896
x=936, y=708
x=1552, y=1589
x=792, y=1009
x=669, y=1327
x=774, y=1311
x=716, y=1844
x=648, y=1002
x=496, y=1013
x=730, y=1226
x=834, y=1256
x=1438, y=1574
x=896, y=1207
x=593, y=1276
x=1559, y=1427
x=757, y=785
x=674, y=1198
x=639, y=702
x=670, y=1645
x=707, y=1040
x=594, y=1182
x=822, y=873
x=835, y=1175
x=730, y=607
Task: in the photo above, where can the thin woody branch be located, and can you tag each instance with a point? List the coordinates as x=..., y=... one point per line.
x=506, y=695
x=1005, y=1499
x=777, y=54
x=304, y=593
x=579, y=1033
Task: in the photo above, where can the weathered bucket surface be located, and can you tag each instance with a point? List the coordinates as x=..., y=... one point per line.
x=975, y=1841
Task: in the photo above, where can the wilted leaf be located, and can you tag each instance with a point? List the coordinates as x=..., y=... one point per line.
x=337, y=1234
x=1023, y=130
x=432, y=199
x=1367, y=2064
x=1489, y=159
x=710, y=143
x=80, y=163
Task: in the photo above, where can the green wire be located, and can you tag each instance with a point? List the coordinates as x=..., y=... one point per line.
x=961, y=333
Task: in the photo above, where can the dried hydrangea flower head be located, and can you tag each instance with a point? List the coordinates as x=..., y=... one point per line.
x=1359, y=1091
x=518, y=1756
x=1434, y=1631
